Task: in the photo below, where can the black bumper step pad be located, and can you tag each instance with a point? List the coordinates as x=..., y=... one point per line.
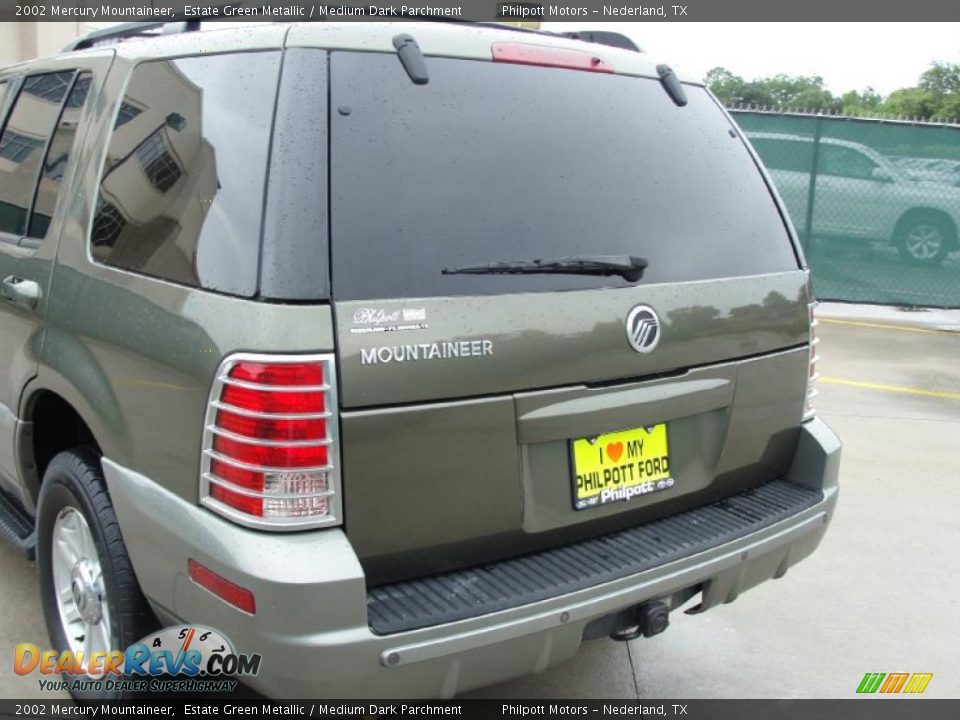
x=462, y=594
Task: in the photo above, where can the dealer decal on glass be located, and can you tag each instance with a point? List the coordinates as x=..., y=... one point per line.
x=620, y=465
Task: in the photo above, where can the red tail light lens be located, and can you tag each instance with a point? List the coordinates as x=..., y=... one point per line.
x=296, y=374
x=267, y=401
x=247, y=504
x=270, y=457
x=246, y=479
x=260, y=429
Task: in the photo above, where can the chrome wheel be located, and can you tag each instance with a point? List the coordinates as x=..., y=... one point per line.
x=92, y=602
x=79, y=585
x=924, y=242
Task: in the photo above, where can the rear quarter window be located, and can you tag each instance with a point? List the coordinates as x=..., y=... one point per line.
x=492, y=162
x=181, y=195
x=55, y=164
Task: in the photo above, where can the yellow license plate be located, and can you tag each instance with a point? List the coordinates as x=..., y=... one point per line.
x=619, y=466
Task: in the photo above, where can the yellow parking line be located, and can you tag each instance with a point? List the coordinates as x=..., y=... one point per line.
x=890, y=388
x=885, y=326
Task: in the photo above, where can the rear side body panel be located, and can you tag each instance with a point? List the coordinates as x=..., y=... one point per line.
x=136, y=356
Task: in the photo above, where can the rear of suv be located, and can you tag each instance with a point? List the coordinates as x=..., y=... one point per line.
x=406, y=356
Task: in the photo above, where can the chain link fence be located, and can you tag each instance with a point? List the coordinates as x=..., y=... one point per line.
x=876, y=203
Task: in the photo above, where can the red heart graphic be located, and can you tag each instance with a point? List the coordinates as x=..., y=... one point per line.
x=614, y=450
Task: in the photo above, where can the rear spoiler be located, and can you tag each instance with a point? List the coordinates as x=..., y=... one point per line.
x=127, y=31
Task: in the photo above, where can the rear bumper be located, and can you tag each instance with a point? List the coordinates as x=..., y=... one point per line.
x=311, y=625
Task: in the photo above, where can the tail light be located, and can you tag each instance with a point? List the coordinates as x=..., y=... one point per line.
x=809, y=411
x=270, y=449
x=544, y=56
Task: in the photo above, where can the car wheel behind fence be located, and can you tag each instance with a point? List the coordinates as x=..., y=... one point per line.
x=924, y=241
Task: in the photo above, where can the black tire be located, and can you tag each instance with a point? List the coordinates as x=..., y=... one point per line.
x=925, y=240
x=74, y=479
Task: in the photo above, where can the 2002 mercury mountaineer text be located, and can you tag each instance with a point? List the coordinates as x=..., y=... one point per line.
x=406, y=356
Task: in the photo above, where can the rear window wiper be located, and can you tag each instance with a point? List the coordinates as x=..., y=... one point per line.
x=626, y=266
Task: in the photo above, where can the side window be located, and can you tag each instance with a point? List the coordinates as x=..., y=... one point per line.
x=181, y=195
x=55, y=163
x=845, y=162
x=29, y=126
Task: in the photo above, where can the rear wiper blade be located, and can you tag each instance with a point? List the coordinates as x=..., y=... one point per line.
x=626, y=266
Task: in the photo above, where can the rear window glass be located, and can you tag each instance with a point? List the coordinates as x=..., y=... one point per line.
x=492, y=162
x=181, y=196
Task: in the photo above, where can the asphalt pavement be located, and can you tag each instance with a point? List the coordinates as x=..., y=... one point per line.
x=880, y=594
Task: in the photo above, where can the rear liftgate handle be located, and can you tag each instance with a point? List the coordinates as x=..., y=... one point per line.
x=20, y=291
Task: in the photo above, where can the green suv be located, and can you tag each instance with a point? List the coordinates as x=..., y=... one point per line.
x=406, y=356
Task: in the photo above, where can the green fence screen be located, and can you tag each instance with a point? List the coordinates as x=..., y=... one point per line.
x=876, y=203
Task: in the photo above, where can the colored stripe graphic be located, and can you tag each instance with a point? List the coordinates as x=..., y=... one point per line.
x=870, y=682
x=918, y=682
x=894, y=682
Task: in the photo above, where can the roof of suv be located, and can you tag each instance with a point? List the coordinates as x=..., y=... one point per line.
x=445, y=39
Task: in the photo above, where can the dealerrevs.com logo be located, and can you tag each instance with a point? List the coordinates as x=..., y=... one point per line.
x=186, y=658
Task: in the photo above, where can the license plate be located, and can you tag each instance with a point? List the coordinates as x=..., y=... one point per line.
x=619, y=466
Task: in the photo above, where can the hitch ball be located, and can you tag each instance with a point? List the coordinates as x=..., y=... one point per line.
x=654, y=618
x=649, y=619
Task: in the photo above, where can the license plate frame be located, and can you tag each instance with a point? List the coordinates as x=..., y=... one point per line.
x=619, y=466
